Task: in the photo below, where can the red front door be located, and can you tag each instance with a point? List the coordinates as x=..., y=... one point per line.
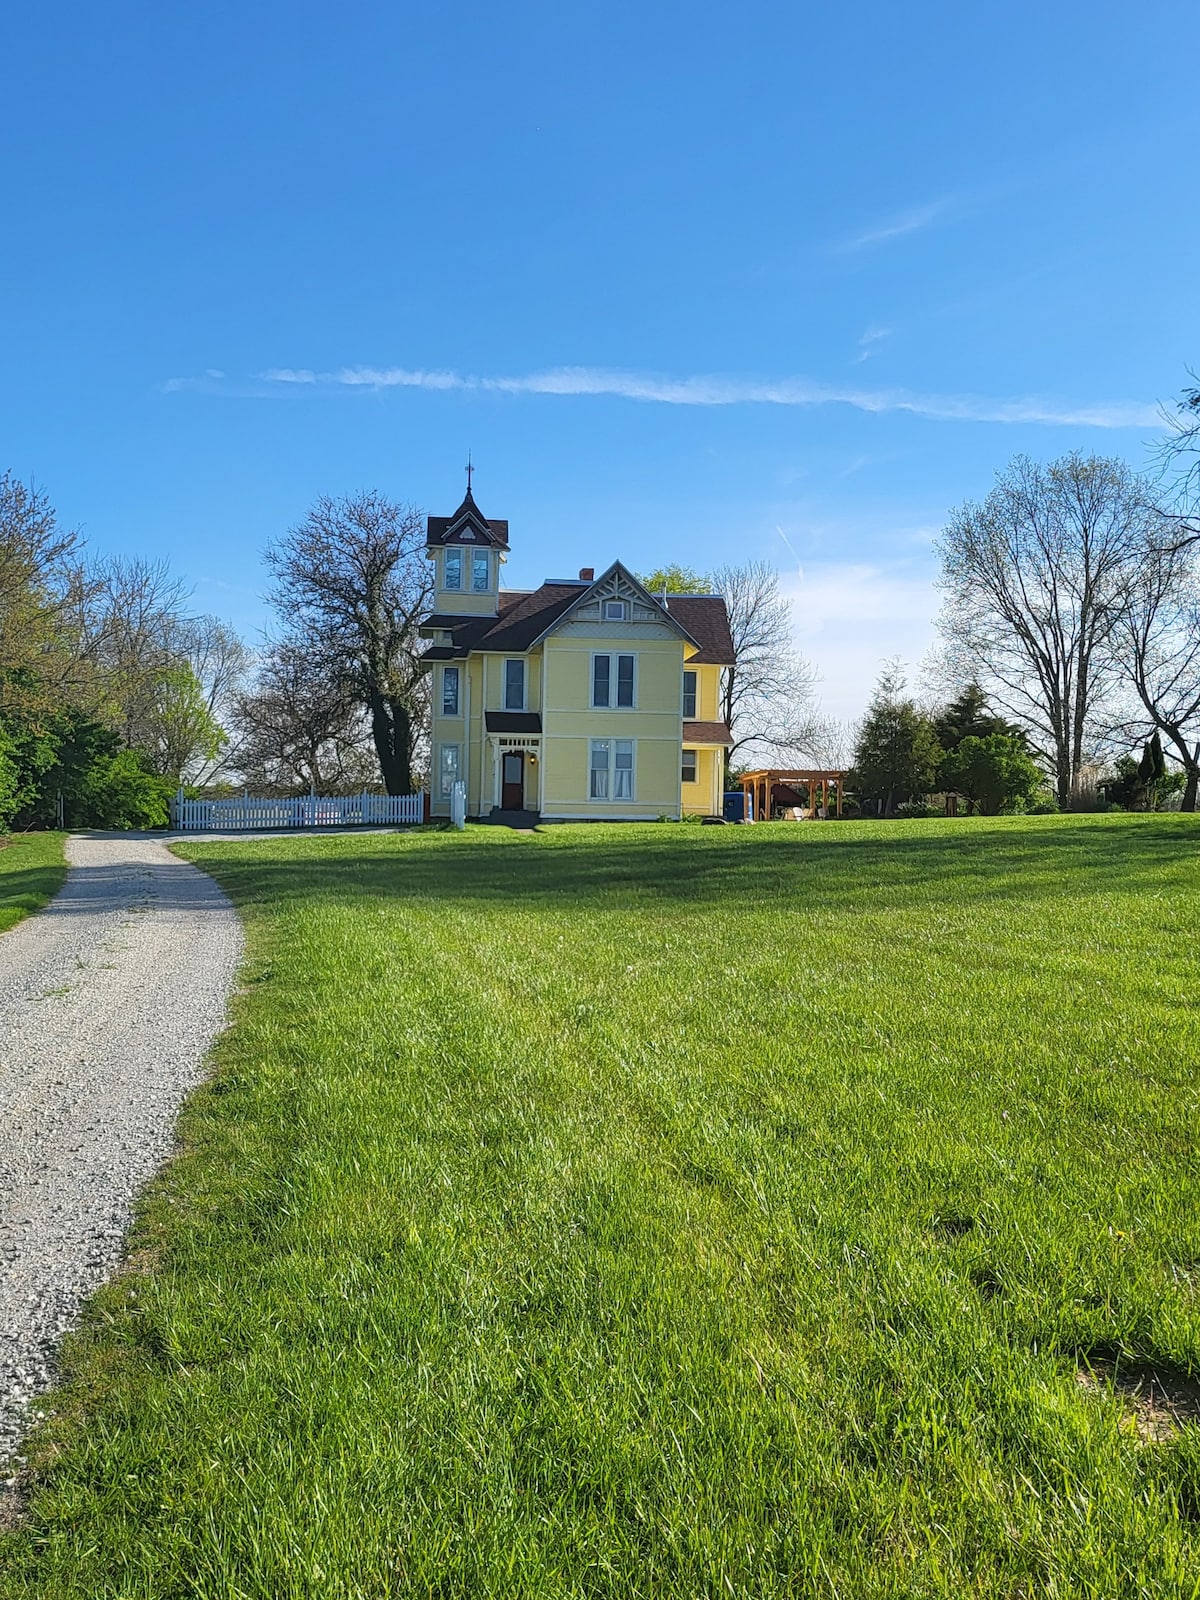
x=512, y=781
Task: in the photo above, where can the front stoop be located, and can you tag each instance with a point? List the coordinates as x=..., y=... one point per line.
x=512, y=819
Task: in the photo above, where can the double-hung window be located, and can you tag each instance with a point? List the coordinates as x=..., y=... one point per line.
x=610, y=775
x=452, y=575
x=479, y=572
x=689, y=696
x=514, y=685
x=614, y=680
x=448, y=769
x=449, y=691
x=689, y=766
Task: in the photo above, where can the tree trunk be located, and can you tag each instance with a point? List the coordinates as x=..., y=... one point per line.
x=1188, y=803
x=383, y=734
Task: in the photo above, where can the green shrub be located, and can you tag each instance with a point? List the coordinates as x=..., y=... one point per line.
x=118, y=792
x=8, y=782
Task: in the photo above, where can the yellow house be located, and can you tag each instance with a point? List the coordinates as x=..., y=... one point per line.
x=585, y=699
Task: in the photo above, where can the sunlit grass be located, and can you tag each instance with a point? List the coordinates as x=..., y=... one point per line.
x=31, y=872
x=665, y=1212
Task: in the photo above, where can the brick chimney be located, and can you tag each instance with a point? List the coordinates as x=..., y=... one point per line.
x=587, y=574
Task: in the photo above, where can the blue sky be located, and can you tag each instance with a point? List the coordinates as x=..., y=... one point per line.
x=696, y=283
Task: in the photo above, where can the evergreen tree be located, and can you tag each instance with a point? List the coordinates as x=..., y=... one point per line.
x=897, y=753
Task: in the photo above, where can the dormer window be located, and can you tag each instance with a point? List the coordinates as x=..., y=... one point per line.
x=616, y=611
x=452, y=575
x=480, y=576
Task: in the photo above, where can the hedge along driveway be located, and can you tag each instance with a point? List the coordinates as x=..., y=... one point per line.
x=667, y=1211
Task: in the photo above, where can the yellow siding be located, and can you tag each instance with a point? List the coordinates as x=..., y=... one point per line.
x=558, y=684
x=704, y=797
x=570, y=722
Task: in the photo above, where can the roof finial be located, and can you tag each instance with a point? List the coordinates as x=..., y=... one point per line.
x=470, y=470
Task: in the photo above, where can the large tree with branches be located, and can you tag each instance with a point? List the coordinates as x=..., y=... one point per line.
x=352, y=582
x=1035, y=581
x=768, y=693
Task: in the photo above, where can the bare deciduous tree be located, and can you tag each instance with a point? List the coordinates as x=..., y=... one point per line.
x=1158, y=649
x=1034, y=581
x=353, y=583
x=300, y=729
x=767, y=695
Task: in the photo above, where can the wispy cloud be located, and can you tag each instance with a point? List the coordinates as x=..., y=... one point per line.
x=718, y=390
x=700, y=390
x=895, y=227
x=869, y=341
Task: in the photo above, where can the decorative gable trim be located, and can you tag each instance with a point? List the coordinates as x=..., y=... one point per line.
x=618, y=583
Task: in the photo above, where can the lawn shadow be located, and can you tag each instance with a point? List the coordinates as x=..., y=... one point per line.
x=821, y=868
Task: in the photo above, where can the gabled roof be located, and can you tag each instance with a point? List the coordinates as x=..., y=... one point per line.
x=706, y=618
x=468, y=525
x=523, y=616
x=582, y=592
x=527, y=616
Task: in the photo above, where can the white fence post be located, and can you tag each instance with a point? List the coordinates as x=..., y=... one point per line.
x=458, y=804
x=231, y=816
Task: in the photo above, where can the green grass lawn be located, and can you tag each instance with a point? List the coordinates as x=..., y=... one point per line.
x=31, y=872
x=661, y=1211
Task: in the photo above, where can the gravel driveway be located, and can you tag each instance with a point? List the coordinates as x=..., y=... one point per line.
x=109, y=1000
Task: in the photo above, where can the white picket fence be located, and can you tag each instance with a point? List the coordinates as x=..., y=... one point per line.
x=303, y=811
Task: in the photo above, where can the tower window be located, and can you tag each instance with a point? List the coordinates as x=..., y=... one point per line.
x=452, y=574
x=480, y=578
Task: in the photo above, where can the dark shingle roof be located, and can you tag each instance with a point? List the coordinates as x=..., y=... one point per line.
x=706, y=619
x=447, y=530
x=706, y=732
x=526, y=615
x=520, y=623
x=512, y=721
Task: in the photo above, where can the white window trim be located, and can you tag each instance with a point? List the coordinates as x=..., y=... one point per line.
x=454, y=588
x=524, y=684
x=457, y=712
x=443, y=786
x=695, y=777
x=690, y=717
x=613, y=676
x=612, y=741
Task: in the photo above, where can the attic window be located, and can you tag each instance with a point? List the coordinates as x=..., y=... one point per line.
x=616, y=611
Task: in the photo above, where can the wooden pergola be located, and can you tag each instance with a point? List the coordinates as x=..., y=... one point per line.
x=763, y=789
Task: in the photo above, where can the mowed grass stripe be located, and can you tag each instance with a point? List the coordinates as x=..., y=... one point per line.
x=664, y=1211
x=32, y=871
